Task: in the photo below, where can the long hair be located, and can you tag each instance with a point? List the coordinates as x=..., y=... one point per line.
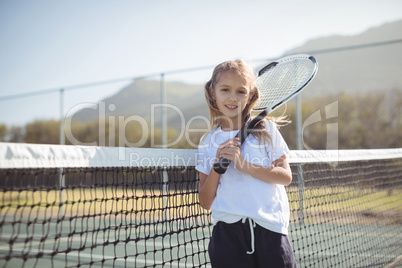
x=242, y=69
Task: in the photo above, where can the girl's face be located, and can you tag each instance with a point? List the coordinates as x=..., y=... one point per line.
x=231, y=95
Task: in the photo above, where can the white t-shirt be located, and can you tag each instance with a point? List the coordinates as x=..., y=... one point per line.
x=239, y=194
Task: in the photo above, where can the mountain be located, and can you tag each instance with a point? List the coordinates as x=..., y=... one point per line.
x=142, y=98
x=385, y=32
x=359, y=69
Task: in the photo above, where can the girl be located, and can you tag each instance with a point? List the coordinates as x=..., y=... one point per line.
x=249, y=204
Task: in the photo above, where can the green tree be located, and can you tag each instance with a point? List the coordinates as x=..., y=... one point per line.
x=3, y=132
x=16, y=134
x=42, y=131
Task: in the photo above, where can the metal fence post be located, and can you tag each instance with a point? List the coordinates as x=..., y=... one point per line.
x=165, y=178
x=62, y=182
x=299, y=141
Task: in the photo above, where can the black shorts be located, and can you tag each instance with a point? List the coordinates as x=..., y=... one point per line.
x=230, y=243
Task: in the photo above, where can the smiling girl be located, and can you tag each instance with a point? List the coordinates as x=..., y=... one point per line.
x=249, y=203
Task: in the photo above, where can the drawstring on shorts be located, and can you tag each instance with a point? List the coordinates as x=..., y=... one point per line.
x=252, y=226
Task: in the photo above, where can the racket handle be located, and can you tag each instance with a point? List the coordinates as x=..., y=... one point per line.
x=221, y=166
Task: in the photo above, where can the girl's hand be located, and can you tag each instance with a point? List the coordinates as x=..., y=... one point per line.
x=235, y=142
x=230, y=149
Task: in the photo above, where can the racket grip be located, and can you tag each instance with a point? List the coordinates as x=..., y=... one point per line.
x=221, y=166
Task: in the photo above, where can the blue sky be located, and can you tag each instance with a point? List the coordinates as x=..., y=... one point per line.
x=46, y=44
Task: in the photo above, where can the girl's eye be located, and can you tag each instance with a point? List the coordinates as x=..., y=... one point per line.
x=225, y=89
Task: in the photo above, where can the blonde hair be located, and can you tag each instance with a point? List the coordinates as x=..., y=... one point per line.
x=245, y=71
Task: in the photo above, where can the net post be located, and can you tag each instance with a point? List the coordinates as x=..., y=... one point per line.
x=61, y=192
x=300, y=183
x=165, y=194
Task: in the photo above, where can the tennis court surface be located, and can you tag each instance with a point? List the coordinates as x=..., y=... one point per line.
x=69, y=206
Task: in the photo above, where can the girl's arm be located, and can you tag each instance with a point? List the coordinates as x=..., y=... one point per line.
x=207, y=189
x=279, y=172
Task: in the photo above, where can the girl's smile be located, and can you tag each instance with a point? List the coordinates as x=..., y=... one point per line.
x=231, y=107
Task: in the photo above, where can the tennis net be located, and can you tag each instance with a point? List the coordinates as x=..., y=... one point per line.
x=75, y=206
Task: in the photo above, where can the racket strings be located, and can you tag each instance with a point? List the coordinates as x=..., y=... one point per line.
x=279, y=82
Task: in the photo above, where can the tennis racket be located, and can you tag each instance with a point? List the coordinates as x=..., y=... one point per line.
x=277, y=83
